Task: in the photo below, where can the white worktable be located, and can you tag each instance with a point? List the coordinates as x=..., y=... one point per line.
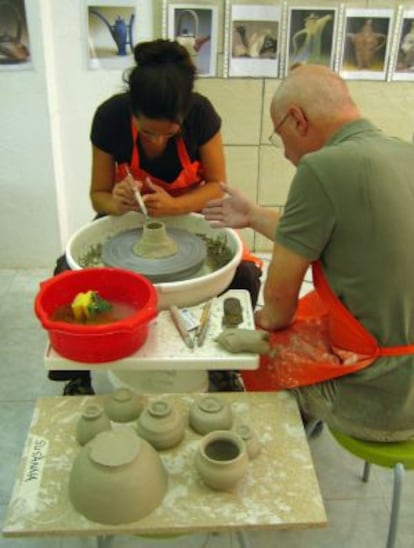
x=165, y=350
x=280, y=489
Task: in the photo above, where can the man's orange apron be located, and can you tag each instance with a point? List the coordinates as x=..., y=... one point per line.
x=189, y=177
x=324, y=342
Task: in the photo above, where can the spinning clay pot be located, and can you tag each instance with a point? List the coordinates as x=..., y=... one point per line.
x=117, y=478
x=161, y=425
x=210, y=413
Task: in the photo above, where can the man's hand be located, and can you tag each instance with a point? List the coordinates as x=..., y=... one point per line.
x=231, y=211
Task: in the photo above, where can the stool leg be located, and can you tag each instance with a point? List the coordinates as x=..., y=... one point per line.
x=243, y=539
x=365, y=473
x=395, y=508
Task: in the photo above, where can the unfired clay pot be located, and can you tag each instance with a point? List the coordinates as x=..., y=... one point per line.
x=221, y=459
x=210, y=413
x=117, y=478
x=123, y=405
x=161, y=425
x=92, y=421
x=249, y=436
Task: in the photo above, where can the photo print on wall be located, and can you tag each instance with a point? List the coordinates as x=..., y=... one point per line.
x=111, y=33
x=14, y=36
x=253, y=40
x=403, y=56
x=194, y=26
x=366, y=42
x=311, y=36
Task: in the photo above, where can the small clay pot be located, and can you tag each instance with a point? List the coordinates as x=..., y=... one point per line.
x=249, y=436
x=123, y=405
x=221, y=459
x=92, y=421
x=210, y=413
x=117, y=478
x=161, y=425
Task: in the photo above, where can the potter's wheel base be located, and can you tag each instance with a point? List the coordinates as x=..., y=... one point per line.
x=190, y=256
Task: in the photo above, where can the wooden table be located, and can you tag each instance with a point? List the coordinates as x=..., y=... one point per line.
x=280, y=490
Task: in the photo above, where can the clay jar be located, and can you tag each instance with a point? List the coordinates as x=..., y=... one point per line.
x=249, y=436
x=117, y=478
x=210, y=413
x=161, y=425
x=92, y=421
x=123, y=406
x=221, y=459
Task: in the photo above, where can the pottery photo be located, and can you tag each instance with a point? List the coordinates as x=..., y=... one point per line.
x=117, y=478
x=92, y=421
x=124, y=405
x=161, y=425
x=221, y=459
x=210, y=413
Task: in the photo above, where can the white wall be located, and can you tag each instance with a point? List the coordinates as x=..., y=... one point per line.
x=45, y=153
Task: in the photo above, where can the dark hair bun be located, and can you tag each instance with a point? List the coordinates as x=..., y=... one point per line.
x=160, y=52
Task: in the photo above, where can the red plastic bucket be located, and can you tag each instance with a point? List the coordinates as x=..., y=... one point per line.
x=97, y=343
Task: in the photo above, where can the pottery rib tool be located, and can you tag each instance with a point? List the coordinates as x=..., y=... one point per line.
x=204, y=323
x=180, y=325
x=138, y=196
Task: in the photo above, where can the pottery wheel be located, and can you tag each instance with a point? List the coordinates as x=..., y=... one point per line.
x=191, y=254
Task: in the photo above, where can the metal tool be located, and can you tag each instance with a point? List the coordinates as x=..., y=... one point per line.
x=180, y=325
x=138, y=196
x=204, y=323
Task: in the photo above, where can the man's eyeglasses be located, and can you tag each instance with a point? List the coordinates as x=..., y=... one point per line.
x=275, y=138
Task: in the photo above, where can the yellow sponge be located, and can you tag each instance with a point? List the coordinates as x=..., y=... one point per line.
x=82, y=305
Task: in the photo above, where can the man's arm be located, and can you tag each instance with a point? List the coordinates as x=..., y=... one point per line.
x=281, y=290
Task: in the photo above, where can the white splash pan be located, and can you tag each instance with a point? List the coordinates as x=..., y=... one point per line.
x=183, y=293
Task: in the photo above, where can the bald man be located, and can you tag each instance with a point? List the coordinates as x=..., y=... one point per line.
x=346, y=350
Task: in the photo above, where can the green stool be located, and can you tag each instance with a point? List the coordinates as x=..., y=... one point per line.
x=399, y=456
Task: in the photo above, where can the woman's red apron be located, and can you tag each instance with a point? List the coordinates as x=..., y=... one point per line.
x=189, y=177
x=324, y=342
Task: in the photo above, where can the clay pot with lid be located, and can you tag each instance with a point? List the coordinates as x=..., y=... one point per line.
x=161, y=425
x=210, y=413
x=123, y=405
x=117, y=478
x=221, y=459
x=92, y=421
x=249, y=436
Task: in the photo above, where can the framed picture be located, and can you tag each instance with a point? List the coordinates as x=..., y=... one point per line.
x=113, y=27
x=14, y=36
x=366, y=42
x=311, y=36
x=403, y=59
x=253, y=41
x=195, y=27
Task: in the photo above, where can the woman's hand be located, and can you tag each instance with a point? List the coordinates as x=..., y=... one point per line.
x=232, y=211
x=159, y=202
x=123, y=195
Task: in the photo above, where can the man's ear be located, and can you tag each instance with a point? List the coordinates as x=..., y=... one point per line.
x=300, y=118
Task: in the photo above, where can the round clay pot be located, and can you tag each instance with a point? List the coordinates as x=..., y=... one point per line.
x=210, y=413
x=249, y=436
x=117, y=478
x=161, y=425
x=123, y=405
x=221, y=459
x=92, y=421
